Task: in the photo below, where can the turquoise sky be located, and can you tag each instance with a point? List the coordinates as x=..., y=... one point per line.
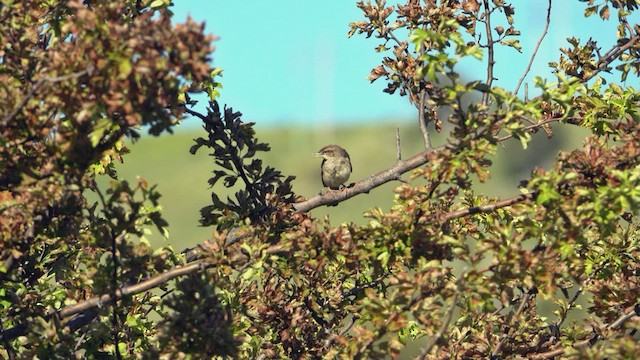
x=290, y=62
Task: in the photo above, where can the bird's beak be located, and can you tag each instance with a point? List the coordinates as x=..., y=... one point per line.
x=318, y=155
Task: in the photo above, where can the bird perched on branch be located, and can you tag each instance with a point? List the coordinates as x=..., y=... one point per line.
x=336, y=166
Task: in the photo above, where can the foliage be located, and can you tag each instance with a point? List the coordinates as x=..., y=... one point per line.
x=77, y=77
x=460, y=274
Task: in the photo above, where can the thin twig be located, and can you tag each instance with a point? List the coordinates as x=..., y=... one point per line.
x=114, y=274
x=359, y=288
x=236, y=160
x=579, y=344
x=398, y=151
x=535, y=126
x=422, y=120
x=504, y=337
x=381, y=331
x=623, y=18
x=354, y=318
x=487, y=22
x=575, y=296
x=535, y=50
x=422, y=99
x=35, y=88
x=444, y=326
x=488, y=207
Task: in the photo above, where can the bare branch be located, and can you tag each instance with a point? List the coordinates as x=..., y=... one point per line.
x=611, y=56
x=332, y=197
x=535, y=50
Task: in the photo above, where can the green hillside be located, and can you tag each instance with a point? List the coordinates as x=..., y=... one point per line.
x=182, y=177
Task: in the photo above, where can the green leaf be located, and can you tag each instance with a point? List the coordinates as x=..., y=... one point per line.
x=514, y=43
x=546, y=194
x=158, y=3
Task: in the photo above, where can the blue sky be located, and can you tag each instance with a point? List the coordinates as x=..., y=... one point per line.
x=290, y=62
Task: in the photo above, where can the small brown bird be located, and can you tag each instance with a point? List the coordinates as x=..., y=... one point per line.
x=336, y=166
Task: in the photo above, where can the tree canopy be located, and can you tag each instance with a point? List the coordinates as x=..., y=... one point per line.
x=551, y=271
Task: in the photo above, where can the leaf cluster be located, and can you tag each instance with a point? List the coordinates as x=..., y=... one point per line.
x=233, y=146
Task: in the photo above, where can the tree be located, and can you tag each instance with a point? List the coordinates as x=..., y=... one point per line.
x=466, y=275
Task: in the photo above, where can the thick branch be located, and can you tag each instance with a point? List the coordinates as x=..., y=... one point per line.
x=85, y=308
x=107, y=299
x=331, y=197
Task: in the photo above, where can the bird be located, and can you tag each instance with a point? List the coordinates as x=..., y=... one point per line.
x=336, y=166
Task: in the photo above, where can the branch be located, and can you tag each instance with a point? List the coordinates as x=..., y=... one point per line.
x=574, y=298
x=612, y=55
x=382, y=329
x=150, y=283
x=85, y=308
x=331, y=197
x=534, y=127
x=422, y=98
x=623, y=19
x=535, y=50
x=107, y=299
x=364, y=186
x=354, y=291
